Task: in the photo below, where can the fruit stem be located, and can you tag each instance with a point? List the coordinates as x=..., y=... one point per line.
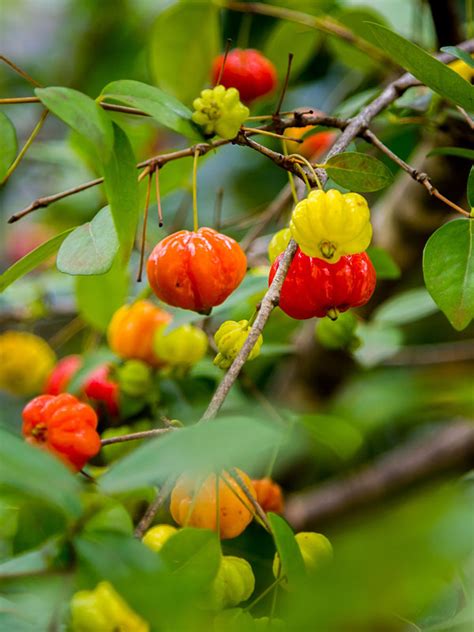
x=158, y=197
x=25, y=147
x=311, y=168
x=145, y=221
x=290, y=175
x=264, y=594
x=303, y=175
x=195, y=208
x=228, y=44
x=265, y=132
x=332, y=313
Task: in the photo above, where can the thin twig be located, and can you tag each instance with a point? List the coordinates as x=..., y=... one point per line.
x=285, y=86
x=154, y=507
x=24, y=149
x=20, y=71
x=135, y=436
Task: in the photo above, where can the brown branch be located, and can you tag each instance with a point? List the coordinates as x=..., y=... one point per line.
x=134, y=436
x=153, y=508
x=20, y=71
x=449, y=449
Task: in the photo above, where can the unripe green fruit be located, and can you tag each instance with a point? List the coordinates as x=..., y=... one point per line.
x=103, y=610
x=181, y=347
x=230, y=338
x=338, y=334
x=134, y=378
x=220, y=111
x=278, y=243
x=316, y=550
x=234, y=583
x=155, y=537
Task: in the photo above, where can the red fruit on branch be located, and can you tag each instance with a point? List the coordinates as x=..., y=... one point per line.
x=314, y=287
x=99, y=387
x=62, y=374
x=63, y=426
x=247, y=70
x=269, y=495
x=196, y=269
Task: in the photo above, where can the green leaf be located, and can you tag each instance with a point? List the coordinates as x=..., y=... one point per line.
x=292, y=564
x=193, y=556
x=470, y=188
x=82, y=114
x=90, y=248
x=184, y=41
x=425, y=68
x=120, y=174
x=163, y=107
x=33, y=259
x=379, y=341
x=234, y=441
x=30, y=470
x=32, y=562
x=406, y=307
x=460, y=54
x=461, y=152
x=9, y=144
x=385, y=266
x=291, y=37
x=358, y=172
x=99, y=296
x=448, y=268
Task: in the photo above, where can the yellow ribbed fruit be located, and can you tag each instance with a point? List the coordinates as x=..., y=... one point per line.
x=26, y=361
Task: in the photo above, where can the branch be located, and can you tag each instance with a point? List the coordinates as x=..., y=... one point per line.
x=153, y=508
x=134, y=436
x=450, y=449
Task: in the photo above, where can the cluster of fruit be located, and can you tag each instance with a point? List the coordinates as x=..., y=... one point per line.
x=330, y=272
x=195, y=504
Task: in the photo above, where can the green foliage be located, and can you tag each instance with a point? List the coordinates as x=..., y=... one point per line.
x=291, y=560
x=358, y=172
x=120, y=175
x=460, y=54
x=470, y=188
x=184, y=41
x=449, y=271
x=405, y=307
x=33, y=259
x=163, y=107
x=384, y=265
x=9, y=144
x=82, y=114
x=291, y=37
x=91, y=248
x=426, y=68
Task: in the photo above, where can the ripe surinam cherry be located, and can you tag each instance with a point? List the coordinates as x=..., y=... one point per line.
x=131, y=330
x=181, y=347
x=234, y=583
x=219, y=111
x=230, y=338
x=100, y=388
x=104, y=610
x=269, y=495
x=63, y=426
x=193, y=503
x=25, y=362
x=313, y=146
x=62, y=374
x=314, y=287
x=247, y=70
x=196, y=269
x=330, y=224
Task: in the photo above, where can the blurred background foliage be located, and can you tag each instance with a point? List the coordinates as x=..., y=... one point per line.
x=411, y=372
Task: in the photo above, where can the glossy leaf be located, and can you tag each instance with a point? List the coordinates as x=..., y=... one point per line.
x=292, y=564
x=121, y=184
x=460, y=54
x=406, y=307
x=27, y=469
x=163, y=107
x=32, y=260
x=82, y=114
x=9, y=146
x=385, y=266
x=470, y=188
x=358, y=172
x=90, y=248
x=461, y=152
x=193, y=555
x=426, y=68
x=99, y=296
x=291, y=37
x=184, y=41
x=237, y=441
x=448, y=268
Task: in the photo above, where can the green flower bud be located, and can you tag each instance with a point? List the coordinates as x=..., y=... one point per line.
x=220, y=111
x=230, y=338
